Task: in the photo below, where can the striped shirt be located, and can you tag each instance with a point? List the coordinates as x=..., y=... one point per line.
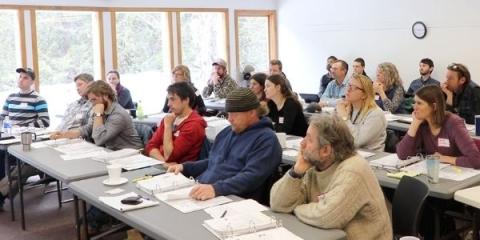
x=26, y=110
x=76, y=115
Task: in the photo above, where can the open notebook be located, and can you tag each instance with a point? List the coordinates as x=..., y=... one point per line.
x=165, y=182
x=252, y=225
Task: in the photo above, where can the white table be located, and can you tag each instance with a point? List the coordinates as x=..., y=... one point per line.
x=471, y=197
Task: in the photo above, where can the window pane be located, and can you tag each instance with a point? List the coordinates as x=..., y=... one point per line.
x=253, y=42
x=66, y=43
x=144, y=57
x=10, y=45
x=203, y=40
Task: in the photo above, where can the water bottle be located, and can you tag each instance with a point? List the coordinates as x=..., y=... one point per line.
x=7, y=127
x=140, y=113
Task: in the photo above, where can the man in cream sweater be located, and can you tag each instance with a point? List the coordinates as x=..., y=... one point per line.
x=331, y=186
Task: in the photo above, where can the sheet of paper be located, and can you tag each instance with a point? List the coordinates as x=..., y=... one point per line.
x=115, y=202
x=294, y=143
x=235, y=208
x=187, y=205
x=10, y=141
x=457, y=173
x=290, y=153
x=365, y=154
x=68, y=157
x=108, y=156
x=391, y=161
x=135, y=162
x=278, y=233
x=77, y=148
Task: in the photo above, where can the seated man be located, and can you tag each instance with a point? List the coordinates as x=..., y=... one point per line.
x=220, y=83
x=463, y=95
x=331, y=186
x=182, y=132
x=110, y=125
x=243, y=156
x=276, y=68
x=77, y=112
x=25, y=109
x=335, y=89
x=425, y=69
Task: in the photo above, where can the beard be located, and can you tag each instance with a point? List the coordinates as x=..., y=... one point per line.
x=318, y=163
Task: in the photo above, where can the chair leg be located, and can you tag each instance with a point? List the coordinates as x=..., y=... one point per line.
x=59, y=193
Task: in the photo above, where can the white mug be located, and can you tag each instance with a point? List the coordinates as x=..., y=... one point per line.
x=114, y=172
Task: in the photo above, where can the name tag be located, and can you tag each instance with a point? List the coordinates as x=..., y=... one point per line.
x=377, y=97
x=176, y=134
x=78, y=116
x=23, y=105
x=281, y=120
x=443, y=142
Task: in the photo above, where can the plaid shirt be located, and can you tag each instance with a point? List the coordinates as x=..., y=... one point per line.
x=76, y=115
x=222, y=89
x=466, y=103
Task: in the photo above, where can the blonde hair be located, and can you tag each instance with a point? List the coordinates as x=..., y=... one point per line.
x=367, y=86
x=390, y=73
x=184, y=69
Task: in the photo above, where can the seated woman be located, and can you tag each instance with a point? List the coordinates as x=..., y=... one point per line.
x=436, y=131
x=389, y=88
x=181, y=73
x=257, y=85
x=284, y=109
x=123, y=94
x=365, y=119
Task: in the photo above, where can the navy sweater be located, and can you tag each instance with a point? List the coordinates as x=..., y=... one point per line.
x=239, y=164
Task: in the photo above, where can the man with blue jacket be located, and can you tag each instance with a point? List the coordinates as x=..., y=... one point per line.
x=242, y=157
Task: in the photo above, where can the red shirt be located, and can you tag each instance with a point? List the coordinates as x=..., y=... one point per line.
x=187, y=138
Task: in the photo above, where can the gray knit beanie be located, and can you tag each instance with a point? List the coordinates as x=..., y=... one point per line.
x=241, y=100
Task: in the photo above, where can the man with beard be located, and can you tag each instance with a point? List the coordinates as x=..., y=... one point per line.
x=110, y=125
x=181, y=133
x=462, y=94
x=426, y=69
x=331, y=186
x=220, y=83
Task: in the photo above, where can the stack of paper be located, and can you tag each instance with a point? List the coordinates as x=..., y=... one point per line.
x=115, y=202
x=241, y=224
x=135, y=162
x=107, y=157
x=236, y=208
x=165, y=182
x=180, y=199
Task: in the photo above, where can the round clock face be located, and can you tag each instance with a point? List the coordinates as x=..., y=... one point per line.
x=419, y=30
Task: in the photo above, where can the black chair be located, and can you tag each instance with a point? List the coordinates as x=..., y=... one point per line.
x=145, y=132
x=205, y=149
x=407, y=206
x=391, y=141
x=310, y=97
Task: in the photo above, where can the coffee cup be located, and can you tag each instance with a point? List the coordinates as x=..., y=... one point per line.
x=26, y=139
x=114, y=172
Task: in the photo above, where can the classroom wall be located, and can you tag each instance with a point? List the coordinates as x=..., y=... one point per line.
x=231, y=5
x=378, y=31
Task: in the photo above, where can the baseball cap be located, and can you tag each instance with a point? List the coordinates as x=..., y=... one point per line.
x=219, y=62
x=28, y=71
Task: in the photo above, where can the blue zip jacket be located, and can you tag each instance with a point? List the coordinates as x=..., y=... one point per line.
x=239, y=164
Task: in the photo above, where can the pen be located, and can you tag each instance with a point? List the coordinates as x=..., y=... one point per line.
x=457, y=169
x=223, y=214
x=141, y=178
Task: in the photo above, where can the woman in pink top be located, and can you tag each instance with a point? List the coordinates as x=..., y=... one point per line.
x=436, y=131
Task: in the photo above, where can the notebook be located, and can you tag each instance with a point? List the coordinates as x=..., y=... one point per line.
x=239, y=224
x=115, y=202
x=391, y=161
x=165, y=182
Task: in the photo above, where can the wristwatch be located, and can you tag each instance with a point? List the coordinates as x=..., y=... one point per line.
x=294, y=174
x=95, y=114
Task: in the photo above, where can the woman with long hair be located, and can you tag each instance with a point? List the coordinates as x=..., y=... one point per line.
x=365, y=119
x=437, y=131
x=389, y=88
x=284, y=109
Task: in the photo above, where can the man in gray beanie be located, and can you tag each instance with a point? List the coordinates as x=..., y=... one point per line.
x=243, y=155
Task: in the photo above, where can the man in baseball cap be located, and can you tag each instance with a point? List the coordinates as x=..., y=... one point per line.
x=220, y=82
x=243, y=156
x=27, y=71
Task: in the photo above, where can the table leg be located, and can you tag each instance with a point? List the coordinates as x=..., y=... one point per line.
x=85, y=222
x=10, y=190
x=78, y=224
x=20, y=189
x=59, y=194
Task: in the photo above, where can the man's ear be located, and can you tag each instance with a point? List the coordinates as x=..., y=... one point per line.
x=325, y=151
x=462, y=80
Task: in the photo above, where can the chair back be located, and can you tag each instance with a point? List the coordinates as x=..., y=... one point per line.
x=205, y=149
x=145, y=132
x=407, y=206
x=391, y=141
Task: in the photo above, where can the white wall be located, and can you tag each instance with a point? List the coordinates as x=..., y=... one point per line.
x=378, y=31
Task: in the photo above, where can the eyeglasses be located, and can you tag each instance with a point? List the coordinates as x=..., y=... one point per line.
x=353, y=87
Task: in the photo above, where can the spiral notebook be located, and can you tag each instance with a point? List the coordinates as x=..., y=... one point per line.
x=253, y=225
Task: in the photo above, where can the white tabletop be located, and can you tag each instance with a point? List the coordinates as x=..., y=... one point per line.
x=469, y=196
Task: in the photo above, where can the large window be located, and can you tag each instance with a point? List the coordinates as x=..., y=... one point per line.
x=67, y=43
x=10, y=50
x=203, y=39
x=143, y=56
x=255, y=43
